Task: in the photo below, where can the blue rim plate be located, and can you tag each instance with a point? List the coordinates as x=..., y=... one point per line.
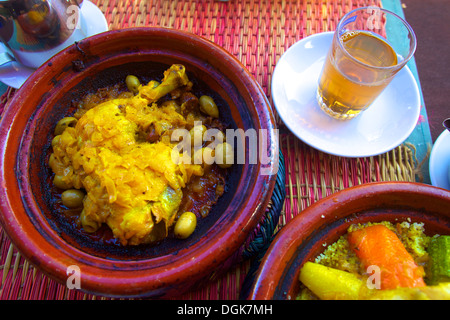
x=440, y=161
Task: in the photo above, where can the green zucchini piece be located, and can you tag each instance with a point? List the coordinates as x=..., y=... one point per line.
x=439, y=264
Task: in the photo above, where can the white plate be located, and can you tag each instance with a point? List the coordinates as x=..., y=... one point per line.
x=440, y=161
x=385, y=125
x=15, y=74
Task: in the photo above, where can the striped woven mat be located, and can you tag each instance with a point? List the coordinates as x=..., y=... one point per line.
x=257, y=32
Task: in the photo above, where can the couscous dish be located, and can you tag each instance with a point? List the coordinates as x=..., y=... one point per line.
x=380, y=261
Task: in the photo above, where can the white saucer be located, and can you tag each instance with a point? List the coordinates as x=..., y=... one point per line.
x=385, y=125
x=440, y=161
x=15, y=74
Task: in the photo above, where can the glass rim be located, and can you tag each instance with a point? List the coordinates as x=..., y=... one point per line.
x=403, y=21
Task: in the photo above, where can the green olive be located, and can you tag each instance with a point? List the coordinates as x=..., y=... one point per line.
x=52, y=161
x=64, y=123
x=224, y=155
x=219, y=136
x=196, y=134
x=59, y=182
x=89, y=225
x=203, y=156
x=208, y=106
x=55, y=141
x=185, y=225
x=72, y=198
x=208, y=155
x=133, y=83
x=153, y=84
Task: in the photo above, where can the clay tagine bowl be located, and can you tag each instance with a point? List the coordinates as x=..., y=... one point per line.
x=173, y=266
x=303, y=238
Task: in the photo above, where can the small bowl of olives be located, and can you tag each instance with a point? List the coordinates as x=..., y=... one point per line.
x=29, y=205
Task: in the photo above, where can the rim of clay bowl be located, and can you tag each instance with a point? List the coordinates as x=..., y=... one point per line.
x=164, y=276
x=303, y=238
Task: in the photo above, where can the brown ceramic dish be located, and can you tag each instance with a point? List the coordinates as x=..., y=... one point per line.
x=173, y=266
x=325, y=221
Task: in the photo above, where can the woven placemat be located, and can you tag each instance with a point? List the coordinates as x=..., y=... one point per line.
x=257, y=32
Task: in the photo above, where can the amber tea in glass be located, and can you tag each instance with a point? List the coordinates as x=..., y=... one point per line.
x=361, y=61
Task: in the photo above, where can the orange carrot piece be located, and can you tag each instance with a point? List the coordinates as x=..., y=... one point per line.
x=379, y=246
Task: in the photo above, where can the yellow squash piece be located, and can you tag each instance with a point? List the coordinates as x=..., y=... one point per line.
x=334, y=284
x=329, y=283
x=438, y=292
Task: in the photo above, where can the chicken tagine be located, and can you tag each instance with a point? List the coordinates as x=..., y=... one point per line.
x=116, y=161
